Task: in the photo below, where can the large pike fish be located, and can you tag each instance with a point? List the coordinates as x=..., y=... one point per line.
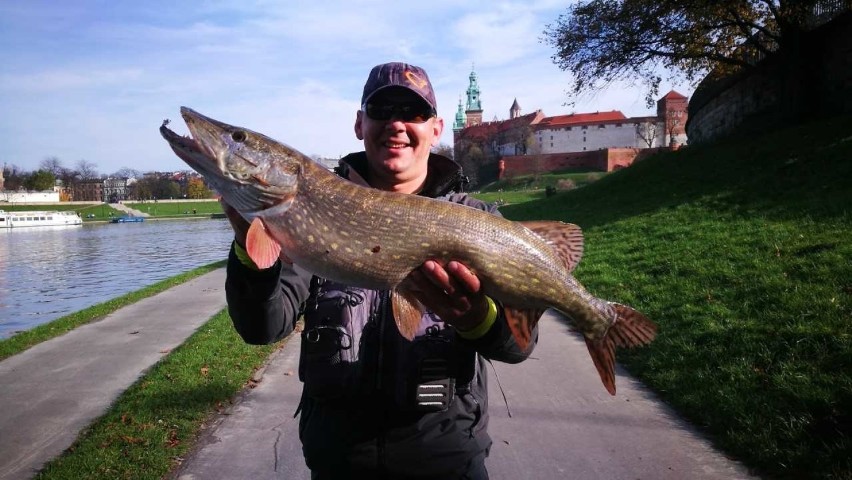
x=374, y=239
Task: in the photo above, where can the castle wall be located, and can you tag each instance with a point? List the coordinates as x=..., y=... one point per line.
x=757, y=101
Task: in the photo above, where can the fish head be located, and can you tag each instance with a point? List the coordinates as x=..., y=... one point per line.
x=251, y=171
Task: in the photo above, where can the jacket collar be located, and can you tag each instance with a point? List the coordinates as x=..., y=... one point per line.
x=442, y=177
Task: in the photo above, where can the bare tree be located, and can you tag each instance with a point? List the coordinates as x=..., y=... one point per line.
x=647, y=131
x=53, y=165
x=125, y=172
x=87, y=170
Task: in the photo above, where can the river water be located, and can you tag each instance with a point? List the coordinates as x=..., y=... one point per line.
x=49, y=272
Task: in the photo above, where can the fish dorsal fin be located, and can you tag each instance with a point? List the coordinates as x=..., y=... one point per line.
x=262, y=248
x=521, y=324
x=565, y=238
x=407, y=311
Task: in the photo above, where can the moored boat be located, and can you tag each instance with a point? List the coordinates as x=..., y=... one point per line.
x=39, y=219
x=127, y=219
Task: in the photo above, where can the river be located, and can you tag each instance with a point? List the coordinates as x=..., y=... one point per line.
x=49, y=272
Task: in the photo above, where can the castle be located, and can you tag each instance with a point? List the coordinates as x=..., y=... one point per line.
x=524, y=144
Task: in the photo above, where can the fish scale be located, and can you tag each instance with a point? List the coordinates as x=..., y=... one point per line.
x=374, y=239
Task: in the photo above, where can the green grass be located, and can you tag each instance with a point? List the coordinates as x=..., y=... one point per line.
x=177, y=209
x=155, y=422
x=580, y=177
x=24, y=340
x=741, y=253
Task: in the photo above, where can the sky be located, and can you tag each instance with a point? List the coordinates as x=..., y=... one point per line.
x=93, y=80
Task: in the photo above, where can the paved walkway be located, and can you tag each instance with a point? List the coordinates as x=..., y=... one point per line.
x=563, y=424
x=128, y=210
x=53, y=390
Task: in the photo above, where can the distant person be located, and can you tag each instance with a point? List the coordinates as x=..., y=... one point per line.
x=360, y=414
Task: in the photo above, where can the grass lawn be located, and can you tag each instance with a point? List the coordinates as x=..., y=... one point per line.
x=177, y=209
x=741, y=253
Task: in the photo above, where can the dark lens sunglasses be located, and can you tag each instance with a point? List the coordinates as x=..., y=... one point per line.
x=415, y=112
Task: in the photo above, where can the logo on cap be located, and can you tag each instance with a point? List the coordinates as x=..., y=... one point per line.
x=415, y=79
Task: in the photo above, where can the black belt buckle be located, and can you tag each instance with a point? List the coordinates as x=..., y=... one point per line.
x=436, y=388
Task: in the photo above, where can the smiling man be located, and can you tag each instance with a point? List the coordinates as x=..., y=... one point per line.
x=375, y=405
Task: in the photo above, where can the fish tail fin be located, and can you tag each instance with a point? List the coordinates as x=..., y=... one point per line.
x=630, y=329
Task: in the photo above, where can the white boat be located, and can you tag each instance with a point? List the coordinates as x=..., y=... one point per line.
x=38, y=219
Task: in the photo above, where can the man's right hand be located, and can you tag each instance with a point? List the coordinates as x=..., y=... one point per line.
x=238, y=223
x=241, y=228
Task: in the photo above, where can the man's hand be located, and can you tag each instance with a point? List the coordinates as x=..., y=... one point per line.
x=451, y=291
x=238, y=223
x=241, y=227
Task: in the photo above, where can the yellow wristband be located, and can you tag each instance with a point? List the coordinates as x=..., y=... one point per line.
x=481, y=329
x=244, y=258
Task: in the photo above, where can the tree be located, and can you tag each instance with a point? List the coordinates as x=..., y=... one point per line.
x=53, y=165
x=126, y=172
x=603, y=41
x=40, y=181
x=647, y=131
x=443, y=149
x=87, y=170
x=196, y=189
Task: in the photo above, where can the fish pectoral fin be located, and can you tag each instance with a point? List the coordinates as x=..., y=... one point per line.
x=565, y=238
x=261, y=247
x=631, y=328
x=603, y=355
x=521, y=324
x=407, y=311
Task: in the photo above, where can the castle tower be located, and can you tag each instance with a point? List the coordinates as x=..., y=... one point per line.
x=473, y=112
x=672, y=112
x=515, y=110
x=460, y=118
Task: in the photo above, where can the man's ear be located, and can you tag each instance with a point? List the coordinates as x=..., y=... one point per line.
x=437, y=130
x=359, y=134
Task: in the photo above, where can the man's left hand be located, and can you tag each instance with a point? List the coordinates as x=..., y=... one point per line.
x=451, y=291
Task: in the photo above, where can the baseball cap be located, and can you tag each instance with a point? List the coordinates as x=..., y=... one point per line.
x=398, y=74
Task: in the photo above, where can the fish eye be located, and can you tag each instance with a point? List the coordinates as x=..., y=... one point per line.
x=239, y=136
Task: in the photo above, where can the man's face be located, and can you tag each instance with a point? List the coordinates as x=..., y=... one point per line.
x=397, y=150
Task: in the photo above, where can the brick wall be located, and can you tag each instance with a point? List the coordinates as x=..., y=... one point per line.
x=605, y=160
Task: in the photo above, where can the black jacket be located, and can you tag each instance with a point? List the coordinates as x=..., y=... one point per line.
x=360, y=410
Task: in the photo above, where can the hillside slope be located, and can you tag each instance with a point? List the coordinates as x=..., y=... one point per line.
x=741, y=252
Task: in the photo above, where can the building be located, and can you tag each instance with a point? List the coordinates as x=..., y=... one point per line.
x=527, y=143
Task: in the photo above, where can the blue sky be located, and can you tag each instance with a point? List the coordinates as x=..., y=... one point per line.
x=93, y=80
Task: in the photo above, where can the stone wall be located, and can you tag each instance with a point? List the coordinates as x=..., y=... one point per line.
x=757, y=101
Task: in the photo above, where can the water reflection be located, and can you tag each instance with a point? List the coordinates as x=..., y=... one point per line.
x=49, y=272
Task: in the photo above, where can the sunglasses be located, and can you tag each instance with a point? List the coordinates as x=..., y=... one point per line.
x=413, y=112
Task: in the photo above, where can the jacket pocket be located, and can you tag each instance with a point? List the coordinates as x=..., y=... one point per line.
x=335, y=317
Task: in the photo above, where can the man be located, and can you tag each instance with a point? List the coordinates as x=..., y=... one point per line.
x=375, y=405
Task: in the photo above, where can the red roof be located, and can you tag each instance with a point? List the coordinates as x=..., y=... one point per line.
x=673, y=95
x=487, y=129
x=581, y=119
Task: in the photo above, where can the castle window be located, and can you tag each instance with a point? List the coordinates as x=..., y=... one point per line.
x=601, y=126
x=585, y=127
x=569, y=129
x=617, y=125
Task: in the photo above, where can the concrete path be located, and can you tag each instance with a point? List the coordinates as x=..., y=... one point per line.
x=53, y=390
x=563, y=425
x=128, y=210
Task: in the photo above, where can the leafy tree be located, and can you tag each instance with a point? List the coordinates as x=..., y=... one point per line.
x=603, y=41
x=40, y=181
x=196, y=189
